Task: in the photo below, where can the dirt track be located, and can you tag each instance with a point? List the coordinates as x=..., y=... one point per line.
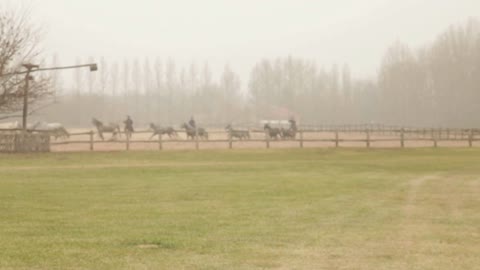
x=346, y=140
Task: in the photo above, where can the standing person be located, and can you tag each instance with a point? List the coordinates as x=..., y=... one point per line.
x=128, y=126
x=192, y=122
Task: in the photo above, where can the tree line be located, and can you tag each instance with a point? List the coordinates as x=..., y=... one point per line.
x=436, y=85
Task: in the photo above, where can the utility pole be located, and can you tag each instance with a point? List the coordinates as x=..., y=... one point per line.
x=34, y=68
x=29, y=68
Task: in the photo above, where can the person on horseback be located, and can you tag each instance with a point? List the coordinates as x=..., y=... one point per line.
x=129, y=124
x=293, y=123
x=192, y=122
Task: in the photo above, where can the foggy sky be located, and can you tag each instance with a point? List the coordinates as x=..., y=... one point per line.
x=243, y=32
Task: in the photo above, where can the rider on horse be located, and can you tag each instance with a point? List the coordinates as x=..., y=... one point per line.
x=192, y=122
x=129, y=124
x=293, y=123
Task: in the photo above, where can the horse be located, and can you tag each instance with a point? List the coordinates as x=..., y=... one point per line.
x=240, y=134
x=193, y=132
x=128, y=132
x=111, y=128
x=53, y=129
x=272, y=132
x=288, y=133
x=291, y=132
x=157, y=130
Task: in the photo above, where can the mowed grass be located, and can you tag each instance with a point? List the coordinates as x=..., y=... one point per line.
x=242, y=209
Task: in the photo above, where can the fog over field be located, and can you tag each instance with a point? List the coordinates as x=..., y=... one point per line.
x=239, y=134
x=411, y=63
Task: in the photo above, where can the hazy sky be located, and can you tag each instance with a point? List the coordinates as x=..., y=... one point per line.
x=356, y=32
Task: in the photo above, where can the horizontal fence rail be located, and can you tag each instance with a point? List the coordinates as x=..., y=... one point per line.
x=367, y=136
x=334, y=136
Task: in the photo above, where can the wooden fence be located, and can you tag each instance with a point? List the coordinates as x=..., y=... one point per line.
x=335, y=137
x=19, y=141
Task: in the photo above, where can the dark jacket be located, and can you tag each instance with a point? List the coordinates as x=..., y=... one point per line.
x=129, y=124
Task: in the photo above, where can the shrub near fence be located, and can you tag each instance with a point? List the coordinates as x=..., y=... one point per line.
x=19, y=141
x=334, y=136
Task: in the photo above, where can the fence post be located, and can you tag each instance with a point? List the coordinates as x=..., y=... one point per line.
x=91, y=140
x=301, y=138
x=470, y=138
x=160, y=144
x=128, y=142
x=336, y=138
x=402, y=138
x=197, y=146
x=230, y=142
x=368, y=137
x=434, y=137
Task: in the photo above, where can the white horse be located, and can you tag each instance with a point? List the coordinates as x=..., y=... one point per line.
x=54, y=129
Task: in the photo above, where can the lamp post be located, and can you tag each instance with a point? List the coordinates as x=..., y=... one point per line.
x=34, y=68
x=29, y=68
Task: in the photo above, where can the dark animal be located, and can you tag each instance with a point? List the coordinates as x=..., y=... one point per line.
x=111, y=128
x=157, y=130
x=272, y=133
x=288, y=134
x=291, y=132
x=240, y=134
x=192, y=132
x=192, y=122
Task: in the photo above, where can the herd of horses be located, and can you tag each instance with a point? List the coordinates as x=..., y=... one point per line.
x=158, y=130
x=57, y=130
x=194, y=132
x=281, y=133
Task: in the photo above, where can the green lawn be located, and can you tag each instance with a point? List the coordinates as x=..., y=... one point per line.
x=242, y=209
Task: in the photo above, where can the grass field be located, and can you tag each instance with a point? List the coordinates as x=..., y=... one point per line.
x=242, y=209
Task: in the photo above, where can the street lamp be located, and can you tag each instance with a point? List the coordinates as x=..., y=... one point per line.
x=34, y=68
x=29, y=68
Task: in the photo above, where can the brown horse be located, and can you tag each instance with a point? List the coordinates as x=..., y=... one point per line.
x=111, y=128
x=157, y=130
x=193, y=132
x=240, y=134
x=272, y=133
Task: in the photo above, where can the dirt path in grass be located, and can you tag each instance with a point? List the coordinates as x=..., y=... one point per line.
x=143, y=165
x=107, y=166
x=410, y=228
x=414, y=187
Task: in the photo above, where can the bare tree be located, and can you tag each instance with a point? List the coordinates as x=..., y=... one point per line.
x=230, y=86
x=147, y=85
x=137, y=85
x=103, y=75
x=159, y=82
x=114, y=79
x=56, y=81
x=171, y=84
x=19, y=44
x=114, y=82
x=91, y=79
x=78, y=79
